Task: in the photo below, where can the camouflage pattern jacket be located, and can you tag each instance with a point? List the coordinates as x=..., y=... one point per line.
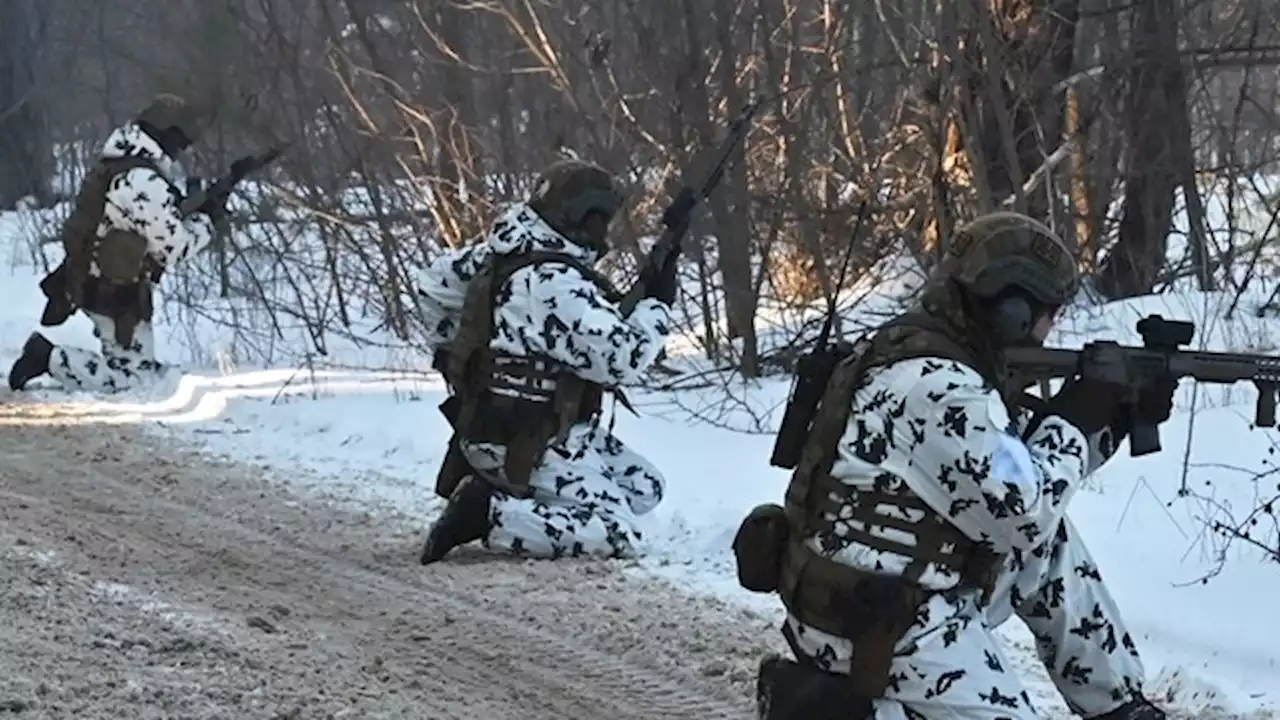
x=548, y=310
x=937, y=430
x=145, y=200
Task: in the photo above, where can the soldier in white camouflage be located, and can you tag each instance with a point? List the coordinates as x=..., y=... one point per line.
x=929, y=507
x=126, y=228
x=531, y=340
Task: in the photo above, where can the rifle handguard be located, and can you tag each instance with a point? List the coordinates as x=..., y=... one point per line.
x=681, y=208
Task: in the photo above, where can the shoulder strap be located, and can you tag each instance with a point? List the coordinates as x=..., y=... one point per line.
x=908, y=336
x=511, y=263
x=119, y=165
x=829, y=423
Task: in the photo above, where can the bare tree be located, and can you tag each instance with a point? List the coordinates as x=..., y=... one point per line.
x=412, y=120
x=26, y=158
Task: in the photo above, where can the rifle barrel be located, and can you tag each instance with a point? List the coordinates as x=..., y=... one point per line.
x=1212, y=367
x=1204, y=366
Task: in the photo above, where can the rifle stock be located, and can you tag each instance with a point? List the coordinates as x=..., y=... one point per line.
x=1160, y=356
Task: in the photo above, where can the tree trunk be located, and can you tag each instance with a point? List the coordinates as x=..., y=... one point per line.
x=1151, y=169
x=1014, y=111
x=26, y=155
x=732, y=205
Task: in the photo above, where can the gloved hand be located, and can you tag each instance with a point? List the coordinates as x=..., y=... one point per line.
x=1090, y=405
x=216, y=208
x=243, y=166
x=661, y=284
x=1154, y=405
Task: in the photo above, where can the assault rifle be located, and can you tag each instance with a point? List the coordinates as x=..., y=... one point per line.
x=1159, y=357
x=678, y=214
x=1132, y=368
x=217, y=193
x=813, y=372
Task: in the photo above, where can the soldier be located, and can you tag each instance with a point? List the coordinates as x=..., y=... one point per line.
x=125, y=229
x=928, y=507
x=530, y=338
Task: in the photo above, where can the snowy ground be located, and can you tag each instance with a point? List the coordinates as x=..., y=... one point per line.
x=375, y=439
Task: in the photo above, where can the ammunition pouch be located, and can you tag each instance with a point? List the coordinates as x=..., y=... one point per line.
x=121, y=257
x=59, y=306
x=127, y=305
x=760, y=546
x=872, y=611
x=440, y=361
x=523, y=405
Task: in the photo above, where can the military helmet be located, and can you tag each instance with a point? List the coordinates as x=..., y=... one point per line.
x=171, y=113
x=570, y=190
x=1007, y=249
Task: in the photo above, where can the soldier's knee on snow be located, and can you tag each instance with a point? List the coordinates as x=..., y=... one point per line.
x=787, y=690
x=759, y=548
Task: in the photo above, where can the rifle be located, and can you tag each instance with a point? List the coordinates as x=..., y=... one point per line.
x=220, y=190
x=678, y=214
x=813, y=373
x=1133, y=368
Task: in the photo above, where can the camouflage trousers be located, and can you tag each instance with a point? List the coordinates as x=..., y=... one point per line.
x=115, y=368
x=950, y=665
x=587, y=496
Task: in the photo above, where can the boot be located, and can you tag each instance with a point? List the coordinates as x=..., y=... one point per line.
x=1139, y=709
x=787, y=690
x=465, y=518
x=33, y=362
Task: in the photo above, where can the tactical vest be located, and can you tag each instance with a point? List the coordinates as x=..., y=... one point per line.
x=123, y=290
x=522, y=404
x=873, y=611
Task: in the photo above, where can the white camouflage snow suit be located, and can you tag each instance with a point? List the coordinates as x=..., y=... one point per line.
x=143, y=200
x=934, y=427
x=927, y=507
x=587, y=490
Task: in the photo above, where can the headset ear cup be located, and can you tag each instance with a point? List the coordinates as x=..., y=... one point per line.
x=1013, y=319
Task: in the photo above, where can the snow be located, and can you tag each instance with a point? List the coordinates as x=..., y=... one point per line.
x=373, y=438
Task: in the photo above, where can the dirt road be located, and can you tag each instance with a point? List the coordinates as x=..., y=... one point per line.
x=140, y=581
